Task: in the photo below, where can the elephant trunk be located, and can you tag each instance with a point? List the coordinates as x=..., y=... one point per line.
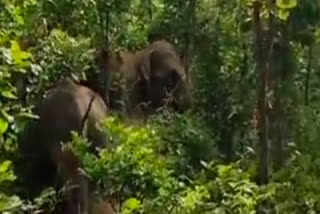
x=183, y=97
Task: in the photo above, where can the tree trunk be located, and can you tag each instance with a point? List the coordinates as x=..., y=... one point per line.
x=149, y=2
x=277, y=125
x=189, y=39
x=306, y=85
x=261, y=70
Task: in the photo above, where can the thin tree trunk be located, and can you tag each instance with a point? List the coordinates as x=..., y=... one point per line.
x=190, y=16
x=261, y=69
x=306, y=85
x=150, y=10
x=281, y=108
x=100, y=18
x=277, y=134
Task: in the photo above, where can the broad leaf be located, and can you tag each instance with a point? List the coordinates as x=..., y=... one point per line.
x=131, y=204
x=286, y=4
x=5, y=173
x=283, y=14
x=28, y=115
x=9, y=203
x=3, y=126
x=9, y=95
x=18, y=55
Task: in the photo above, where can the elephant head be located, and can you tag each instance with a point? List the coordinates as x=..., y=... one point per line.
x=68, y=107
x=154, y=77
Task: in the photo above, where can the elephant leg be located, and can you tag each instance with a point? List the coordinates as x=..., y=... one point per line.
x=84, y=194
x=77, y=197
x=103, y=206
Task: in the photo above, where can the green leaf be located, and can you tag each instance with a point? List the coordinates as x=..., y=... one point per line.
x=130, y=205
x=9, y=203
x=7, y=116
x=18, y=55
x=6, y=55
x=3, y=126
x=28, y=115
x=286, y=4
x=283, y=14
x=9, y=95
x=5, y=173
x=5, y=166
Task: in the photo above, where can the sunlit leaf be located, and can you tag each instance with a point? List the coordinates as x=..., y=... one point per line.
x=6, y=55
x=5, y=166
x=131, y=204
x=28, y=115
x=5, y=172
x=286, y=4
x=18, y=55
x=9, y=95
x=3, y=126
x=9, y=203
x=283, y=14
x=7, y=116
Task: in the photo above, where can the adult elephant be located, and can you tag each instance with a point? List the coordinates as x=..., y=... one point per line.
x=68, y=107
x=149, y=79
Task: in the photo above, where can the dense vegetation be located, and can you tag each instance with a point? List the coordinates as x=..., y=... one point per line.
x=248, y=145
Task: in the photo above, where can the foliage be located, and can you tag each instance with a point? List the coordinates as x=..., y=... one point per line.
x=299, y=177
x=186, y=139
x=134, y=172
x=143, y=173
x=198, y=162
x=61, y=55
x=232, y=190
x=14, y=62
x=7, y=203
x=14, y=204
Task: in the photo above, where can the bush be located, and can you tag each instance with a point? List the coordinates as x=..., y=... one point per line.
x=141, y=178
x=297, y=186
x=61, y=55
x=7, y=203
x=187, y=139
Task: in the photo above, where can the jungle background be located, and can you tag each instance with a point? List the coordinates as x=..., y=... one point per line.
x=248, y=145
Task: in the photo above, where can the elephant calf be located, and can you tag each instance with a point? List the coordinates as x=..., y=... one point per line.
x=69, y=106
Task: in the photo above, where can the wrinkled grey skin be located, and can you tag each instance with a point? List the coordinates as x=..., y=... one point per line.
x=153, y=78
x=62, y=111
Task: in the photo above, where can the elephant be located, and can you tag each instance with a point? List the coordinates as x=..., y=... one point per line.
x=151, y=78
x=69, y=106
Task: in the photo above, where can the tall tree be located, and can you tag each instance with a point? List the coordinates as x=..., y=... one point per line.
x=150, y=14
x=261, y=70
x=307, y=81
x=189, y=37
